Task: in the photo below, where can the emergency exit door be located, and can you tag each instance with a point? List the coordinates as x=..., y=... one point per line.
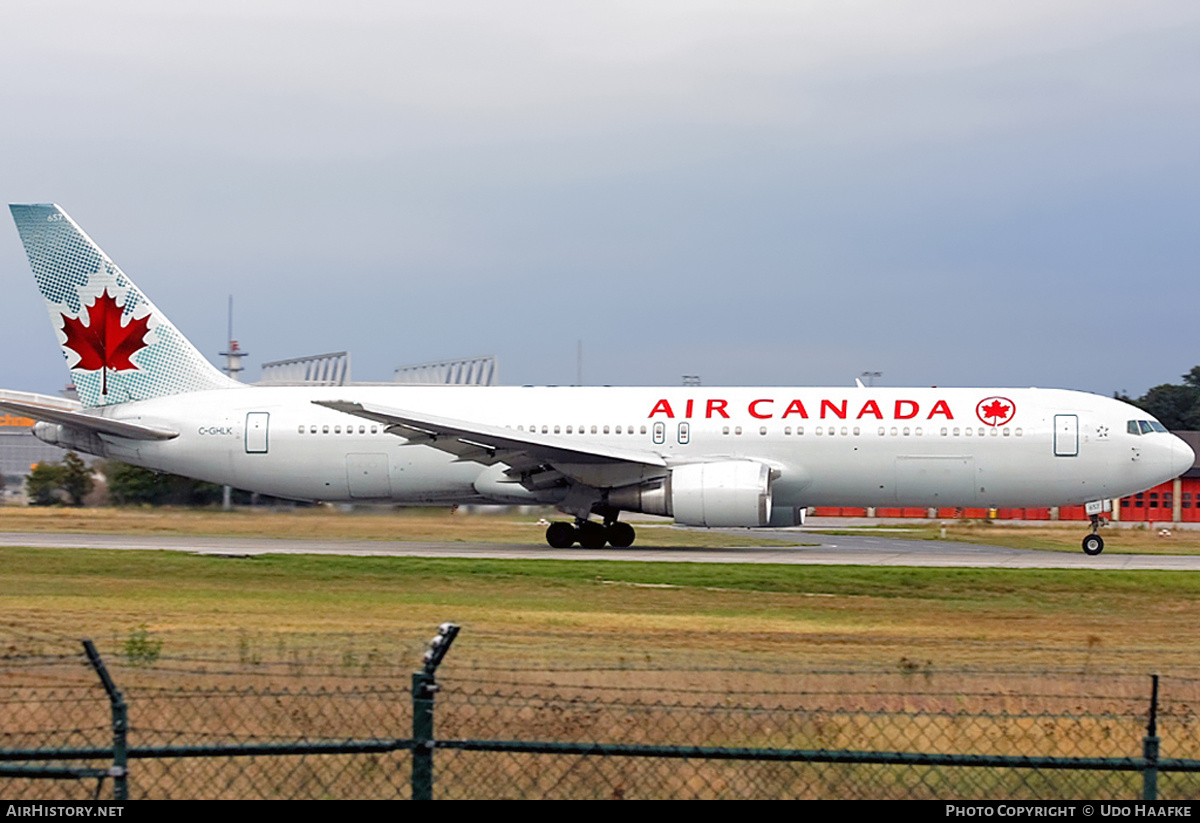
x=256, y=432
x=1066, y=435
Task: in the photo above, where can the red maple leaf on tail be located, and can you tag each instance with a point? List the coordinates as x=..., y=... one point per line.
x=104, y=343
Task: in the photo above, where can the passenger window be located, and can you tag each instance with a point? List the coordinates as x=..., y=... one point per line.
x=302, y=430
x=762, y=430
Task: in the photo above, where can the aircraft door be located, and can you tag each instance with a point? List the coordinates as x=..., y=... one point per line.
x=256, y=432
x=1066, y=435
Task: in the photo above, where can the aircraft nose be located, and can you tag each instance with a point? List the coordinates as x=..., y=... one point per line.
x=1182, y=456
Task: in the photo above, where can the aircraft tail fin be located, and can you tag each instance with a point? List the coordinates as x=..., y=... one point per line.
x=119, y=347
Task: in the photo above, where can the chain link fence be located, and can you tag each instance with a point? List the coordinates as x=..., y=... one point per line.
x=122, y=726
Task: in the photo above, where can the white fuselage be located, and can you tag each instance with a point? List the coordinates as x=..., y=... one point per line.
x=827, y=446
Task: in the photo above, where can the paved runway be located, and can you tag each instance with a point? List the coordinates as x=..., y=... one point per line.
x=858, y=550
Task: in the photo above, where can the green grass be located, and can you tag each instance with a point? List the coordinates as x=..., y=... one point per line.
x=1048, y=536
x=582, y=609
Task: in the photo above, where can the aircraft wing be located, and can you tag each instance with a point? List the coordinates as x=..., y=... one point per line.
x=54, y=410
x=528, y=454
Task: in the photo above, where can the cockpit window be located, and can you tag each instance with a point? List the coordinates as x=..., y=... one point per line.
x=1146, y=427
x=1132, y=427
x=1158, y=427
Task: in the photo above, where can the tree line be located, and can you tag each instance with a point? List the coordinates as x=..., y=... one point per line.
x=68, y=481
x=1176, y=406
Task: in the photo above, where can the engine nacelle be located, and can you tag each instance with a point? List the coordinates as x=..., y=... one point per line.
x=728, y=493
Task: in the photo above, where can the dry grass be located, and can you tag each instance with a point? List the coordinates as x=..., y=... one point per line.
x=325, y=522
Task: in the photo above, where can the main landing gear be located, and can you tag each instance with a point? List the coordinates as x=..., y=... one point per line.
x=1093, y=544
x=590, y=535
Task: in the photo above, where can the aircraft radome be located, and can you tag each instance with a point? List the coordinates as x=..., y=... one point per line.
x=747, y=457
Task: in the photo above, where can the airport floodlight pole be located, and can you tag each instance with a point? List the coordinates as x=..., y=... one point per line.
x=233, y=367
x=424, y=686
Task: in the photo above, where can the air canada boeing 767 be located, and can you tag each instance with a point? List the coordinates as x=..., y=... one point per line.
x=742, y=457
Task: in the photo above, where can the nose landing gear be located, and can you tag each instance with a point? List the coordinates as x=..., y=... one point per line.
x=1093, y=544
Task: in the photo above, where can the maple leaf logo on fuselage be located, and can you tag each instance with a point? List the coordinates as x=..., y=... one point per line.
x=995, y=411
x=104, y=343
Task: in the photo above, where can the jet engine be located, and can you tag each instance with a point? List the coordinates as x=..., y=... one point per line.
x=726, y=493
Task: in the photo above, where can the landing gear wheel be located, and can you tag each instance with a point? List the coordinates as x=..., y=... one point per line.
x=620, y=535
x=591, y=535
x=1093, y=544
x=561, y=535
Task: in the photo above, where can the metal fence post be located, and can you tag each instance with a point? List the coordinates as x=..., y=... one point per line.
x=120, y=725
x=1150, y=746
x=424, y=686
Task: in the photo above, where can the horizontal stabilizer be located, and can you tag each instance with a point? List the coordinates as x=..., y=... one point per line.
x=55, y=410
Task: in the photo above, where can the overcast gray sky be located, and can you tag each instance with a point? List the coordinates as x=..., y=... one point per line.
x=950, y=192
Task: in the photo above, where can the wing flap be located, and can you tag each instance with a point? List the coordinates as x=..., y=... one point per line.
x=524, y=452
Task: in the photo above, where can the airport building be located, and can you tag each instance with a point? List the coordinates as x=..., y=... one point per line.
x=20, y=451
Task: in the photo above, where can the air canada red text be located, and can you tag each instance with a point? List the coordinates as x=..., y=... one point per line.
x=768, y=408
